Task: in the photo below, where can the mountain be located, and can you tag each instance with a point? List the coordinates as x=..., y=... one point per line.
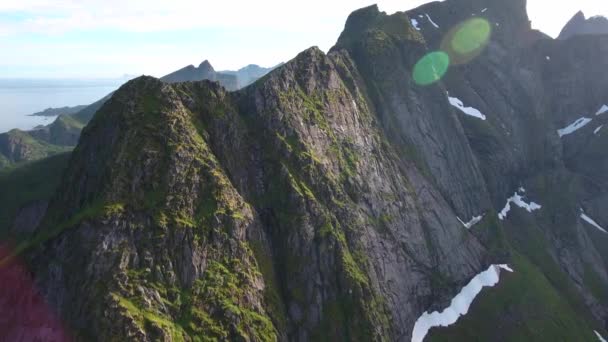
x=204, y=72
x=251, y=73
x=436, y=176
x=63, y=134
x=26, y=191
x=59, y=111
x=18, y=147
x=579, y=25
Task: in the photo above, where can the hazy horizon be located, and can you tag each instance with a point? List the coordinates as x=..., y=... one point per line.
x=94, y=39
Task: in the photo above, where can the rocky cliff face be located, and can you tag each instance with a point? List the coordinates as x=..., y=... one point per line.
x=330, y=199
x=580, y=25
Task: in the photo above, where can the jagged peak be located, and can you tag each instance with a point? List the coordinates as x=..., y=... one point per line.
x=368, y=19
x=206, y=65
x=360, y=19
x=311, y=54
x=580, y=24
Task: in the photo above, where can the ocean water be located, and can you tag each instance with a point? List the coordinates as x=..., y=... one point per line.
x=21, y=97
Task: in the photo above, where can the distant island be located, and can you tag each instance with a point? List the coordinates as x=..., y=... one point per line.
x=60, y=111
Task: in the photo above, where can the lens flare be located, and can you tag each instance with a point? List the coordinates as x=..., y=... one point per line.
x=467, y=40
x=431, y=68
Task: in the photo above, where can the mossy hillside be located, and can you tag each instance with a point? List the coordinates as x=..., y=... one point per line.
x=559, y=222
x=65, y=130
x=162, y=178
x=205, y=312
x=538, y=301
x=530, y=241
x=4, y=162
x=28, y=148
x=296, y=165
x=272, y=291
x=35, y=181
x=153, y=141
x=396, y=26
x=523, y=306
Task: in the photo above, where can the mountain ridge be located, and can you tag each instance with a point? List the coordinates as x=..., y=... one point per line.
x=328, y=199
x=579, y=24
x=18, y=147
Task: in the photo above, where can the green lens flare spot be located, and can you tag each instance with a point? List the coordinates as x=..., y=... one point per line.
x=431, y=68
x=471, y=36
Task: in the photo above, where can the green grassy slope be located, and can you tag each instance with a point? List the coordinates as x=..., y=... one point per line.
x=29, y=182
x=524, y=306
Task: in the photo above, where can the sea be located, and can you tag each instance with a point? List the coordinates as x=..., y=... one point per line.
x=21, y=97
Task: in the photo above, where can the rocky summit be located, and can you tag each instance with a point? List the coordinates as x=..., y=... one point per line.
x=580, y=25
x=440, y=175
x=203, y=72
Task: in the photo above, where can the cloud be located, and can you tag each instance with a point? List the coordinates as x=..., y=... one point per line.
x=59, y=16
x=157, y=36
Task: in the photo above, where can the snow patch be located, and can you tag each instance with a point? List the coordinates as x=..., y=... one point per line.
x=484, y=10
x=467, y=110
x=592, y=222
x=475, y=220
x=548, y=58
x=518, y=200
x=599, y=337
x=431, y=21
x=602, y=110
x=459, y=305
x=415, y=24
x=578, y=124
x=597, y=130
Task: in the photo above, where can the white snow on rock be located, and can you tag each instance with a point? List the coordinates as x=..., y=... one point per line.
x=518, y=200
x=597, y=130
x=578, y=124
x=459, y=305
x=599, y=337
x=475, y=220
x=602, y=110
x=467, y=110
x=484, y=10
x=415, y=24
x=431, y=21
x=592, y=222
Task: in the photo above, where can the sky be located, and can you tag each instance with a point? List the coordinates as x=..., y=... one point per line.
x=111, y=38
